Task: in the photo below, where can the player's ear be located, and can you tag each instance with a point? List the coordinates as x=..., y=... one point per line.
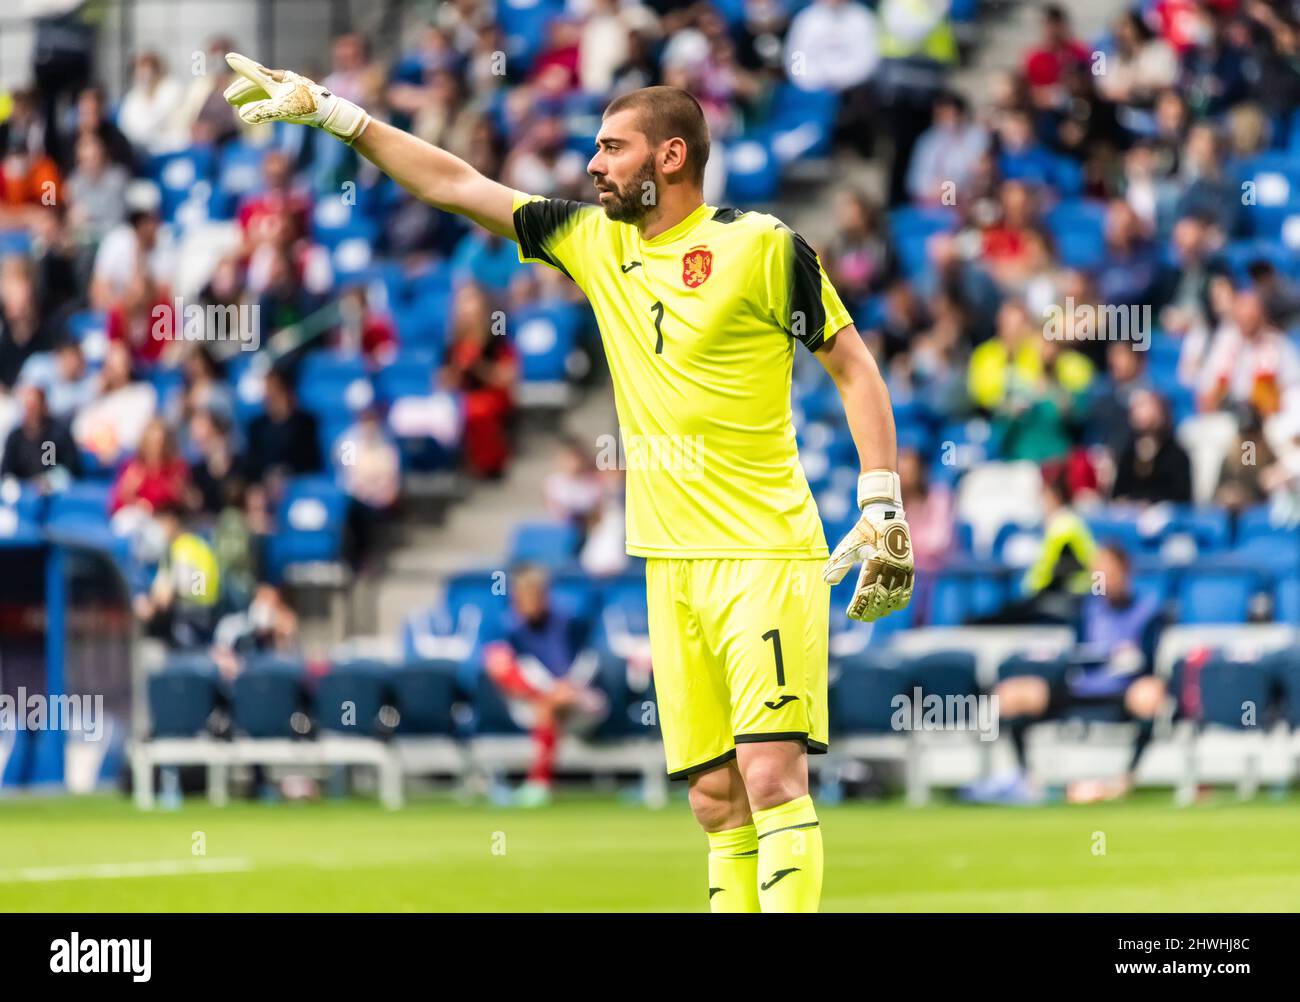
x=673, y=157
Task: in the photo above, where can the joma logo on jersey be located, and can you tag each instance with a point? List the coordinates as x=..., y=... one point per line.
x=697, y=265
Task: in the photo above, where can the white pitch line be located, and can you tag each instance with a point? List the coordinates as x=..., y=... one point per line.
x=117, y=871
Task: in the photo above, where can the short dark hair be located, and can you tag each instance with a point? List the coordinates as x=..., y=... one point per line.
x=669, y=113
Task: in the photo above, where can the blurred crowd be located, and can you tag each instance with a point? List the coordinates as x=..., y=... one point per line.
x=1103, y=173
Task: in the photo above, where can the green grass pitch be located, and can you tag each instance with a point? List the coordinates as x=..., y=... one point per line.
x=589, y=852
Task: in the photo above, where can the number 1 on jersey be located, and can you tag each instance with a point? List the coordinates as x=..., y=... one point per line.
x=658, y=310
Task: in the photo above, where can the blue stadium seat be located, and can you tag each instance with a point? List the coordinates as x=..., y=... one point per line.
x=348, y=699
x=1235, y=694
x=239, y=174
x=912, y=227
x=179, y=175
x=862, y=694
x=310, y=524
x=545, y=335
x=478, y=600
x=753, y=173
x=551, y=544
x=332, y=386
x=1208, y=527
x=426, y=694
x=269, y=699
x=182, y=696
x=1077, y=228
x=409, y=374
x=944, y=673
x=1215, y=596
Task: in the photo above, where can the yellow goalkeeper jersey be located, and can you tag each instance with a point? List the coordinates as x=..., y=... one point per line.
x=699, y=325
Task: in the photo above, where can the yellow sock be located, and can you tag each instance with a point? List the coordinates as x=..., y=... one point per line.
x=789, y=857
x=733, y=870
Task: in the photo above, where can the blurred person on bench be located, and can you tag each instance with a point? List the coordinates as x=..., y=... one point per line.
x=1110, y=669
x=544, y=673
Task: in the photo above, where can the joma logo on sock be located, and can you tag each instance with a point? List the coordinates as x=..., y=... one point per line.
x=75, y=955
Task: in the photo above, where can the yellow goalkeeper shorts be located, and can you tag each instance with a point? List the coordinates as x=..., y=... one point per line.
x=739, y=654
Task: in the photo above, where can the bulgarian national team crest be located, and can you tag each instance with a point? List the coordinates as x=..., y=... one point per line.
x=697, y=265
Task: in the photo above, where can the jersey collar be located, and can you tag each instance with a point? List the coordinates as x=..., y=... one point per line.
x=676, y=232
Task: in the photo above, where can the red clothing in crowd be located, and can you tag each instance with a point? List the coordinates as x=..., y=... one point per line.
x=138, y=330
x=159, y=487
x=1045, y=67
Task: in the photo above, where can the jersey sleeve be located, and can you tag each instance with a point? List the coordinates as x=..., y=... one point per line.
x=797, y=293
x=557, y=232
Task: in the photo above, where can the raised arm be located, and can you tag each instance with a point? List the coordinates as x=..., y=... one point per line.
x=430, y=174
x=440, y=178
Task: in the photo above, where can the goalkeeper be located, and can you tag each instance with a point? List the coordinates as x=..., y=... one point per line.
x=699, y=310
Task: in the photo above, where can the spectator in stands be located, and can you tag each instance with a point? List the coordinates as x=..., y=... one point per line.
x=1110, y=408
x=1141, y=64
x=1057, y=580
x=1057, y=53
x=483, y=367
x=268, y=625
x=1203, y=186
x=205, y=389
x=110, y=426
x=931, y=517
x=542, y=163
x=96, y=192
x=363, y=330
x=204, y=116
x=213, y=461
x=149, y=111
x=1250, y=361
x=604, y=548
x=261, y=214
x=57, y=265
x=1004, y=253
x=1279, y=294
x=541, y=669
x=39, y=444
x=1180, y=297
x=61, y=374
x=283, y=441
x=572, y=490
x=1153, y=466
x=24, y=331
x=30, y=181
x=182, y=605
x=860, y=258
x=1129, y=268
x=156, y=477
x=142, y=319
x=371, y=471
x=832, y=45
x=137, y=247
x=1112, y=668
x=947, y=153
x=92, y=120
x=1248, y=468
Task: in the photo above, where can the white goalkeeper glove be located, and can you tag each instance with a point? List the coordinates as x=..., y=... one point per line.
x=262, y=95
x=882, y=543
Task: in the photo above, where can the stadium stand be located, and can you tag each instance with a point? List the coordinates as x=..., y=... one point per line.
x=1152, y=208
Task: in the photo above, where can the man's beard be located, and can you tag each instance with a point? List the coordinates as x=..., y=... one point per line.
x=634, y=200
